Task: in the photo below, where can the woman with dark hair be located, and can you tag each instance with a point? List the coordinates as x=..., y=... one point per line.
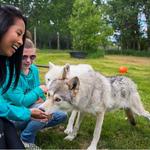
x=12, y=37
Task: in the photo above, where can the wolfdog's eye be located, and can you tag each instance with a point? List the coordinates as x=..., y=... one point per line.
x=57, y=99
x=48, y=79
x=48, y=94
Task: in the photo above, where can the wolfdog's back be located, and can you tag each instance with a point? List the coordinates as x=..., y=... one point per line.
x=122, y=90
x=94, y=92
x=100, y=93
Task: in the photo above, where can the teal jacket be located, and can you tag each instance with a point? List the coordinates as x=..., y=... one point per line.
x=27, y=91
x=13, y=112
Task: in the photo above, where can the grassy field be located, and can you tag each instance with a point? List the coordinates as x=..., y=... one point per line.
x=117, y=133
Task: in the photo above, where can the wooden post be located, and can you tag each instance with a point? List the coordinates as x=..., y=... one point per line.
x=35, y=36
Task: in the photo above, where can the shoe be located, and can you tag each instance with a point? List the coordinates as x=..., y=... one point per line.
x=31, y=146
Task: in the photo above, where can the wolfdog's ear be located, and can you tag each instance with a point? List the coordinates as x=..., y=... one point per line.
x=74, y=84
x=66, y=70
x=51, y=65
x=67, y=67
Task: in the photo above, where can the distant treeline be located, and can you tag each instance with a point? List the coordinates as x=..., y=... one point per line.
x=129, y=20
x=143, y=53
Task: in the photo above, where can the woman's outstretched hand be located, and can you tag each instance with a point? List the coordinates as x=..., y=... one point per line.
x=44, y=88
x=39, y=114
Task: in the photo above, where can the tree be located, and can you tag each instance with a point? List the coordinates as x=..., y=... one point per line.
x=146, y=11
x=59, y=13
x=41, y=13
x=51, y=20
x=87, y=26
x=124, y=17
x=24, y=5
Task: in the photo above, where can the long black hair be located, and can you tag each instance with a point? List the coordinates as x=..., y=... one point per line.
x=8, y=16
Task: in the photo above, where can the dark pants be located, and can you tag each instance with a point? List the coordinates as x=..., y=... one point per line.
x=8, y=136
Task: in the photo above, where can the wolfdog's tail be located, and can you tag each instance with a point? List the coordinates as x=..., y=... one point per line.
x=137, y=107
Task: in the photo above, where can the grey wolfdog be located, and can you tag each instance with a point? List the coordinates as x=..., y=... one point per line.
x=94, y=93
x=55, y=72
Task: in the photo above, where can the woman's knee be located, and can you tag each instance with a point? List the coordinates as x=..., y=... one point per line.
x=60, y=116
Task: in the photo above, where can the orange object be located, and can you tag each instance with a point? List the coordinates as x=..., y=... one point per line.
x=123, y=69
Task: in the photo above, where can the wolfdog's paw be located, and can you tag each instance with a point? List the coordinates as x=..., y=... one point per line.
x=91, y=147
x=68, y=130
x=69, y=137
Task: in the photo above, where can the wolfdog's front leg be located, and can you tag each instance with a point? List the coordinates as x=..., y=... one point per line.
x=72, y=135
x=97, y=131
x=71, y=121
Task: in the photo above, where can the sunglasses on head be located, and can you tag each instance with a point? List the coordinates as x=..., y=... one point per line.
x=25, y=57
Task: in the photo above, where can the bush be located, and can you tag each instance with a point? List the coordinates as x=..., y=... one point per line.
x=128, y=52
x=85, y=25
x=96, y=54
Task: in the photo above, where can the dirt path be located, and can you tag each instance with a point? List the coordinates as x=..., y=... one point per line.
x=130, y=60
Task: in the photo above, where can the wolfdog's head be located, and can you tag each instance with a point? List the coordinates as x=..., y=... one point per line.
x=61, y=93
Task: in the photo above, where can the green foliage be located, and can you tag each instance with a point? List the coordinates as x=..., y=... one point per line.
x=88, y=22
x=48, y=16
x=128, y=52
x=124, y=17
x=87, y=27
x=117, y=133
x=96, y=54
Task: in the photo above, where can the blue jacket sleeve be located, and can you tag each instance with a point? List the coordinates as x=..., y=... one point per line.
x=18, y=98
x=13, y=112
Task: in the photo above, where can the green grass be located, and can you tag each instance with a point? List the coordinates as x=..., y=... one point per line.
x=116, y=133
